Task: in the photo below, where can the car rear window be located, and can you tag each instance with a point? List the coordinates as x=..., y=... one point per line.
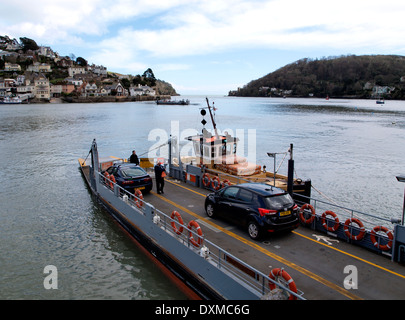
x=132, y=172
x=278, y=202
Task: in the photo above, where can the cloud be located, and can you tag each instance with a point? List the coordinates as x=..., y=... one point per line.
x=180, y=27
x=129, y=36
x=201, y=27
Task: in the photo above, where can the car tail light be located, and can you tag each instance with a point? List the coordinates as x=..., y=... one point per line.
x=267, y=212
x=127, y=182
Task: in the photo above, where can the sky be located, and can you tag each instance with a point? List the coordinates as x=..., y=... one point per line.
x=207, y=47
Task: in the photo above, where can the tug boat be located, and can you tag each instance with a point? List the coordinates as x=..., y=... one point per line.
x=216, y=156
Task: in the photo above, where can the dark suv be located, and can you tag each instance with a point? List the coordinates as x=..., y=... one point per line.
x=259, y=207
x=130, y=176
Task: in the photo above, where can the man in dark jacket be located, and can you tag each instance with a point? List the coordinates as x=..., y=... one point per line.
x=160, y=174
x=134, y=158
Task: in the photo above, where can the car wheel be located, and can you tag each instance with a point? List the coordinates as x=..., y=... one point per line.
x=254, y=230
x=210, y=210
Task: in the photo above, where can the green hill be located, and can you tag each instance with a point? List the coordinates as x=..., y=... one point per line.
x=368, y=76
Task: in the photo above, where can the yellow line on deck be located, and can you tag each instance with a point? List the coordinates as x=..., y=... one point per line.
x=264, y=251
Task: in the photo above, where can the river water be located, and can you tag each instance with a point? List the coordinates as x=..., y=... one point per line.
x=350, y=149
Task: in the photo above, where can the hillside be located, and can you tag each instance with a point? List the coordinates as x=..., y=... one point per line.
x=23, y=62
x=368, y=76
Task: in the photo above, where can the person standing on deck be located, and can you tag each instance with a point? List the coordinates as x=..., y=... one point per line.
x=134, y=158
x=160, y=175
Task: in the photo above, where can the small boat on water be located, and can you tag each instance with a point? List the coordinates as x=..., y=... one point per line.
x=173, y=102
x=11, y=100
x=380, y=101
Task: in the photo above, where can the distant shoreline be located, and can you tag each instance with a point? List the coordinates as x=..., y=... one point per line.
x=97, y=99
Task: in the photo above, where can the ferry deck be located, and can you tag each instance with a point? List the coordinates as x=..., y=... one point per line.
x=315, y=261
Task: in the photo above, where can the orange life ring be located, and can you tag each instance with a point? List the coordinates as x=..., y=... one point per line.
x=215, y=183
x=106, y=176
x=360, y=224
x=225, y=183
x=206, y=180
x=325, y=225
x=139, y=201
x=301, y=213
x=177, y=215
x=112, y=181
x=199, y=232
x=278, y=272
x=375, y=242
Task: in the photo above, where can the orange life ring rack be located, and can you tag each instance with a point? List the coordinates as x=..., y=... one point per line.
x=177, y=215
x=215, y=183
x=199, y=232
x=278, y=272
x=375, y=242
x=206, y=180
x=359, y=223
x=325, y=225
x=301, y=213
x=139, y=201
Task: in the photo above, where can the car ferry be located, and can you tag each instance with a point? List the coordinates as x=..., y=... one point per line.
x=201, y=268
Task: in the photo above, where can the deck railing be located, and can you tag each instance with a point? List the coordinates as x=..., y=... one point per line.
x=356, y=227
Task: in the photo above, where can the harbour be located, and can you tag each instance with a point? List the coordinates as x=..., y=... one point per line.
x=337, y=122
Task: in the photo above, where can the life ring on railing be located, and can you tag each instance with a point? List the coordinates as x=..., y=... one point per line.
x=139, y=198
x=359, y=223
x=106, y=176
x=225, y=183
x=112, y=181
x=301, y=213
x=199, y=232
x=206, y=180
x=325, y=225
x=177, y=215
x=375, y=242
x=278, y=272
x=215, y=183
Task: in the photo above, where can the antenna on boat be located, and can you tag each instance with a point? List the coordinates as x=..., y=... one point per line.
x=212, y=118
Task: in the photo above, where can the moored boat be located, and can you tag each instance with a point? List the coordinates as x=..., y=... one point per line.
x=11, y=100
x=173, y=102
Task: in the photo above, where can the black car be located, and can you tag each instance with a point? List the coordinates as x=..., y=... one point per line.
x=130, y=176
x=259, y=207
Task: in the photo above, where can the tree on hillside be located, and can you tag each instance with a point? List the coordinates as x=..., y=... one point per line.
x=28, y=44
x=81, y=62
x=149, y=77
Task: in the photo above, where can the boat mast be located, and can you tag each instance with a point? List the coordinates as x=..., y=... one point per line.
x=212, y=118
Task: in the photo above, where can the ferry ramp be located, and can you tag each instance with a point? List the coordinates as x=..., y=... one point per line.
x=320, y=266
